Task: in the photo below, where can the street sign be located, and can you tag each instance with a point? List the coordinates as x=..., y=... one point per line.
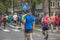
x=25, y=6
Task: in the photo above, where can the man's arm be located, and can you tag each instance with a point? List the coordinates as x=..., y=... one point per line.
x=33, y=25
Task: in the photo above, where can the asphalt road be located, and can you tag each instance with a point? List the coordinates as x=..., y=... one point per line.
x=19, y=35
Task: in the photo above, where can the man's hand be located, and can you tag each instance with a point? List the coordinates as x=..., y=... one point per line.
x=33, y=25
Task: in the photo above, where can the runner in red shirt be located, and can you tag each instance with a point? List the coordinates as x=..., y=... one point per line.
x=2, y=19
x=52, y=18
x=57, y=22
x=45, y=29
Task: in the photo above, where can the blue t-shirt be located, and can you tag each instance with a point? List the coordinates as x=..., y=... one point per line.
x=29, y=19
x=20, y=17
x=9, y=18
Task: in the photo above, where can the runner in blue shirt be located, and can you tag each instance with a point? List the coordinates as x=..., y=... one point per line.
x=20, y=18
x=29, y=20
x=9, y=19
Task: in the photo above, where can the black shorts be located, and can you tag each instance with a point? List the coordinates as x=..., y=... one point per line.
x=6, y=20
x=14, y=21
x=52, y=23
x=28, y=30
x=59, y=23
x=56, y=25
x=45, y=27
x=9, y=21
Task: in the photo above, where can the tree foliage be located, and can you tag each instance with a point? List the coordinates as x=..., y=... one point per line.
x=6, y=4
x=33, y=3
x=2, y=7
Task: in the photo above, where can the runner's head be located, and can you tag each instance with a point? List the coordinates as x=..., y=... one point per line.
x=56, y=14
x=15, y=13
x=2, y=15
x=24, y=12
x=29, y=12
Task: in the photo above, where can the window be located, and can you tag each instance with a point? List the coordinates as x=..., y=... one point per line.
x=58, y=3
x=52, y=4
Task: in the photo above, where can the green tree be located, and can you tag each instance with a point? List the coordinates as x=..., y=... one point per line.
x=2, y=7
x=33, y=3
x=8, y=4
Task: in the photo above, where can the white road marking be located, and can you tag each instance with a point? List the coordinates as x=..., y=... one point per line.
x=6, y=30
x=16, y=30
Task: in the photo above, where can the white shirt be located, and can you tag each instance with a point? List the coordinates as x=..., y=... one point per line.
x=15, y=17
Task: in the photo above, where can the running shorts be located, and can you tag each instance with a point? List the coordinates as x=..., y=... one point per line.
x=28, y=30
x=45, y=27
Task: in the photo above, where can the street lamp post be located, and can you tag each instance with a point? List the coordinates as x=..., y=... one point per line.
x=6, y=7
x=49, y=7
x=12, y=7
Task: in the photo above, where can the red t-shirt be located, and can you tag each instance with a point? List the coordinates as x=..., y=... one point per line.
x=2, y=19
x=57, y=20
x=45, y=20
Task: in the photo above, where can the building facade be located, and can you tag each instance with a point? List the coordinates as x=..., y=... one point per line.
x=54, y=6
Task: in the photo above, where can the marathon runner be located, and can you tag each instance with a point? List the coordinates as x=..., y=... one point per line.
x=15, y=18
x=52, y=18
x=20, y=18
x=6, y=19
x=45, y=29
x=0, y=20
x=57, y=22
x=9, y=19
x=24, y=14
x=28, y=21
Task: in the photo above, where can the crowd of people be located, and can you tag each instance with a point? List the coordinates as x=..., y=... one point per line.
x=50, y=22
x=27, y=22
x=53, y=21
x=24, y=18
x=7, y=19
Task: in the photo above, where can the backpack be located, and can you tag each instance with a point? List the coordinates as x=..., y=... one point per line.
x=45, y=20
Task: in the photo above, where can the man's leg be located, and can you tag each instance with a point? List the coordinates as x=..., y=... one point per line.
x=25, y=34
x=0, y=23
x=46, y=35
x=4, y=24
x=57, y=28
x=52, y=27
x=47, y=31
x=7, y=23
x=43, y=32
x=31, y=36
